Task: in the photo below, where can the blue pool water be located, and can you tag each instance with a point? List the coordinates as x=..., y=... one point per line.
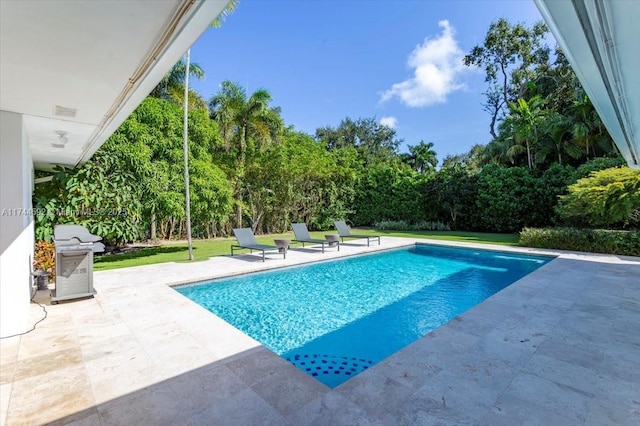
x=337, y=318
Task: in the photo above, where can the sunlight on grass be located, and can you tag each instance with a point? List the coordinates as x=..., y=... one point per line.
x=204, y=249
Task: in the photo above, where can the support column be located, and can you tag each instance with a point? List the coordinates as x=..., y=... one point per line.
x=16, y=225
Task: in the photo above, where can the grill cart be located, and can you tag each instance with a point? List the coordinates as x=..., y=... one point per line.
x=75, y=246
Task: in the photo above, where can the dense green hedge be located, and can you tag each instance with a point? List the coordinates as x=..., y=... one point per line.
x=497, y=199
x=510, y=199
x=389, y=193
x=450, y=198
x=505, y=200
x=591, y=240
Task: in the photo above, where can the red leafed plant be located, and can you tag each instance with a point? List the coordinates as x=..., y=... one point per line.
x=44, y=258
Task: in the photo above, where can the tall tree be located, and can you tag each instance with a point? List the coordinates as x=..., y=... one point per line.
x=527, y=117
x=172, y=87
x=157, y=124
x=471, y=161
x=422, y=157
x=509, y=56
x=298, y=180
x=246, y=124
x=588, y=131
x=554, y=143
x=376, y=143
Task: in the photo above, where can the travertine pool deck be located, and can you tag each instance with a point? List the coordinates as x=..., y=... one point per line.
x=561, y=346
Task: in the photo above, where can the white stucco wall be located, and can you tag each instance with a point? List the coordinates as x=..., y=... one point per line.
x=16, y=225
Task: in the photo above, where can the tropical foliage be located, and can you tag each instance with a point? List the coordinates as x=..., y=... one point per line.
x=248, y=168
x=608, y=198
x=247, y=125
x=539, y=113
x=389, y=193
x=374, y=142
x=133, y=186
x=103, y=195
x=422, y=158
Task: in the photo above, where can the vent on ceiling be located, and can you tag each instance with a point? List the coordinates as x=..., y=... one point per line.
x=64, y=111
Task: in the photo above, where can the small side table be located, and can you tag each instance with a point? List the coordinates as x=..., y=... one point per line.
x=283, y=244
x=332, y=239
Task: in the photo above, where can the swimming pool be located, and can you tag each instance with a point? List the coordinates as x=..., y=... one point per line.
x=335, y=319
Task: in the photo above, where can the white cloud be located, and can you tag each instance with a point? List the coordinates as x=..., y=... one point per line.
x=438, y=64
x=391, y=122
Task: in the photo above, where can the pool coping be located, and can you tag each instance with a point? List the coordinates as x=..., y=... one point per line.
x=175, y=344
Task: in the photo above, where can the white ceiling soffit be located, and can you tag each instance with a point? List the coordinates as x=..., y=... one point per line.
x=601, y=40
x=76, y=70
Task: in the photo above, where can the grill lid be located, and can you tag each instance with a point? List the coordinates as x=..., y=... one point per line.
x=62, y=233
x=76, y=238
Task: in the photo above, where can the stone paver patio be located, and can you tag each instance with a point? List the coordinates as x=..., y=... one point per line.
x=559, y=347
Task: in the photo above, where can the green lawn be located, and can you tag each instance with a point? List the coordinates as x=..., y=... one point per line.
x=204, y=249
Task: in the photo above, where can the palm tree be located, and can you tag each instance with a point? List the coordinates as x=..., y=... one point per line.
x=246, y=124
x=587, y=127
x=558, y=137
x=194, y=99
x=526, y=117
x=228, y=9
x=171, y=87
x=496, y=151
x=422, y=157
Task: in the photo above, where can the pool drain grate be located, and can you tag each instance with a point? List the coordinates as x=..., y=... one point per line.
x=322, y=364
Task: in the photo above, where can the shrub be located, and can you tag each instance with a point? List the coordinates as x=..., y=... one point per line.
x=392, y=225
x=505, y=200
x=590, y=240
x=596, y=164
x=552, y=183
x=403, y=225
x=388, y=193
x=450, y=198
x=430, y=226
x=607, y=198
x=44, y=258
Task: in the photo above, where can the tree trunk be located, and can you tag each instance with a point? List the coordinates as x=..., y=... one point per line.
x=493, y=106
x=163, y=229
x=535, y=132
x=492, y=126
x=587, y=143
x=172, y=226
x=453, y=213
x=239, y=193
x=505, y=79
x=152, y=232
x=238, y=216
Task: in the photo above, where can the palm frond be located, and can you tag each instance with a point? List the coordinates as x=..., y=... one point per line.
x=229, y=8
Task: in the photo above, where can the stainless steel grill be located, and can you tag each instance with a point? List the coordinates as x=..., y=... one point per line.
x=75, y=246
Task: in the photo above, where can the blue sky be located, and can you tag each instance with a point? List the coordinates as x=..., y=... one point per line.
x=397, y=61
